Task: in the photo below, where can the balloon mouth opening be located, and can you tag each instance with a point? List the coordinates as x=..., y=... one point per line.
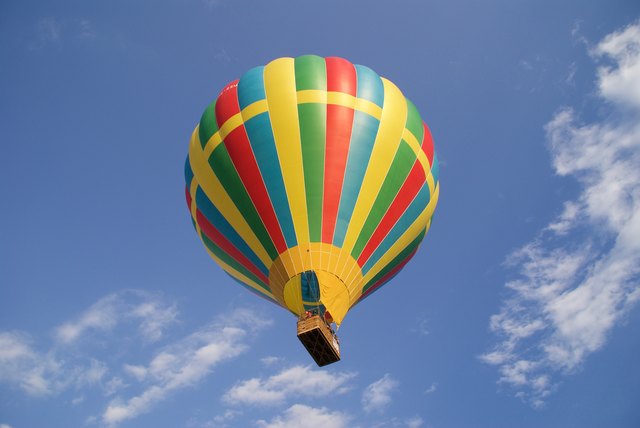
x=317, y=292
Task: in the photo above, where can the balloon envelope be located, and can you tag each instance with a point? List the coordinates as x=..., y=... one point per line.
x=311, y=181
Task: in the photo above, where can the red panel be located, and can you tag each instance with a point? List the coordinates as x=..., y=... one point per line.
x=188, y=195
x=212, y=233
x=341, y=77
x=227, y=103
x=410, y=188
x=427, y=143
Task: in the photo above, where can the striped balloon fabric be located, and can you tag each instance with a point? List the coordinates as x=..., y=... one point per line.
x=312, y=181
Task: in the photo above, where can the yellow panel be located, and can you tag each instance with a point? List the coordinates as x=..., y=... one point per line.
x=212, y=187
x=333, y=295
x=392, y=125
x=280, y=88
x=193, y=188
x=293, y=295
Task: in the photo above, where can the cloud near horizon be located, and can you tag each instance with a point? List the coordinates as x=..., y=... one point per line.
x=580, y=276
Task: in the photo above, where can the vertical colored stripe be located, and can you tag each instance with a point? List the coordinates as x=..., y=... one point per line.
x=341, y=77
x=259, y=129
x=208, y=124
x=365, y=129
x=280, y=89
x=311, y=74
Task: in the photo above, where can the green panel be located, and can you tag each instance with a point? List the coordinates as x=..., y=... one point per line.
x=223, y=167
x=313, y=119
x=414, y=122
x=396, y=260
x=398, y=172
x=208, y=124
x=311, y=73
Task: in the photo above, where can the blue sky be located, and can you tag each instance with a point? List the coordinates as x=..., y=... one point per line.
x=524, y=292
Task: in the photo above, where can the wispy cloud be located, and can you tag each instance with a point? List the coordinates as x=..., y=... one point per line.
x=300, y=415
x=151, y=314
x=296, y=381
x=184, y=364
x=432, y=388
x=377, y=396
x=37, y=373
x=70, y=363
x=53, y=32
x=580, y=276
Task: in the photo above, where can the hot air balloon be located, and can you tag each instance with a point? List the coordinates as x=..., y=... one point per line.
x=312, y=181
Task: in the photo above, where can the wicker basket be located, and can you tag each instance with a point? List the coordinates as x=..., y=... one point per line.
x=319, y=340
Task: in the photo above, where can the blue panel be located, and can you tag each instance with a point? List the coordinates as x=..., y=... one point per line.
x=264, y=149
x=370, y=85
x=363, y=136
x=435, y=168
x=188, y=172
x=251, y=87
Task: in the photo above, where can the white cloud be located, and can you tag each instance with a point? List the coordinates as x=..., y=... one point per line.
x=271, y=360
x=296, y=381
x=138, y=372
x=5, y=426
x=580, y=276
x=620, y=83
x=185, y=363
x=39, y=374
x=300, y=415
x=415, y=422
x=22, y=367
x=152, y=315
x=377, y=395
x=432, y=388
